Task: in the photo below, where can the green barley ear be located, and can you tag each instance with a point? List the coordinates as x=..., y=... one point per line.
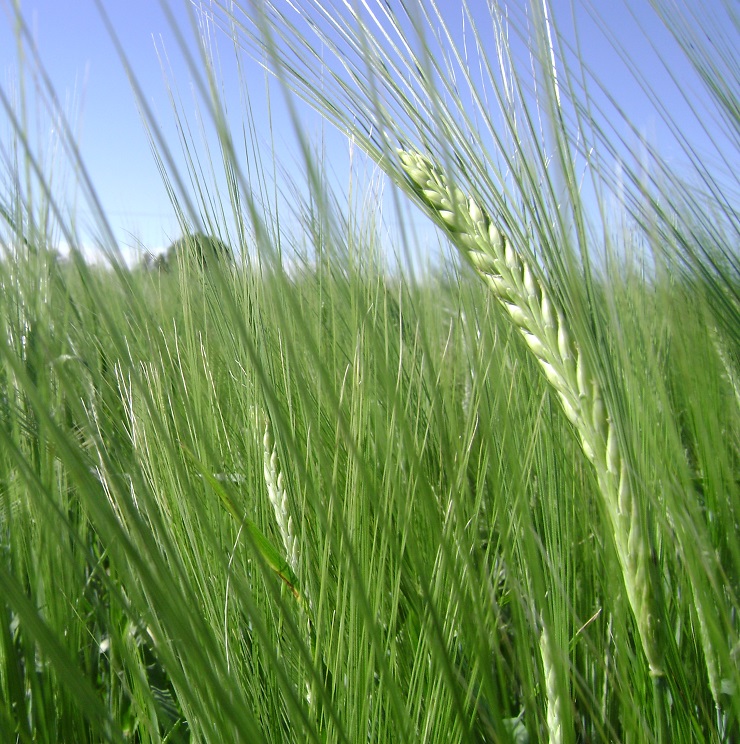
x=279, y=498
x=553, y=694
x=545, y=330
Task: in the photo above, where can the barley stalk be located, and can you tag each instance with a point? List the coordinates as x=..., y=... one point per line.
x=544, y=329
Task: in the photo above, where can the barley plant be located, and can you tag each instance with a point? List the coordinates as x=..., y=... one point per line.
x=334, y=484
x=545, y=331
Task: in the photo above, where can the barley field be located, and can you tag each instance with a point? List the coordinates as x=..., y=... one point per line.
x=297, y=483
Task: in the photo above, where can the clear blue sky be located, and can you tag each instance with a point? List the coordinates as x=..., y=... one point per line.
x=80, y=58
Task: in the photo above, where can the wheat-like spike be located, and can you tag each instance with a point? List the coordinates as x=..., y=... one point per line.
x=544, y=329
x=552, y=689
x=279, y=498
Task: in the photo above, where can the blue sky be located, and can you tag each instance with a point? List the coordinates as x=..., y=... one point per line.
x=80, y=58
x=87, y=74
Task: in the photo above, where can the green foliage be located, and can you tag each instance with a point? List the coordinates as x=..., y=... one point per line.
x=442, y=506
x=204, y=250
x=453, y=573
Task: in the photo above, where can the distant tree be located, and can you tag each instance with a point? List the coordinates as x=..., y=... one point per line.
x=160, y=263
x=151, y=262
x=206, y=249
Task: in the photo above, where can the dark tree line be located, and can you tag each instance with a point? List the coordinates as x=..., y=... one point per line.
x=203, y=250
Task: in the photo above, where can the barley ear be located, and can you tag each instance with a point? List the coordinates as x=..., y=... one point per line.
x=555, y=702
x=544, y=328
x=279, y=498
x=275, y=482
